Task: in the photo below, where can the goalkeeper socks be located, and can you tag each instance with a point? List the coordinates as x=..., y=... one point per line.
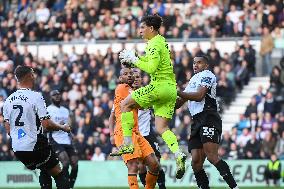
x=127, y=123
x=132, y=181
x=225, y=172
x=142, y=177
x=202, y=179
x=161, y=179
x=171, y=140
x=151, y=180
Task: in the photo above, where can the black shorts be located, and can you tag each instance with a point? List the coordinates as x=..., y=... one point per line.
x=43, y=157
x=68, y=148
x=154, y=144
x=206, y=127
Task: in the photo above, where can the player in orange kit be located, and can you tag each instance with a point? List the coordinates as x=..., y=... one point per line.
x=142, y=149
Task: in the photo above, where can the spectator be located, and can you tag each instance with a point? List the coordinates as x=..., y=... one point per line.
x=98, y=155
x=252, y=148
x=251, y=108
x=42, y=13
x=266, y=47
x=243, y=138
x=279, y=148
x=267, y=122
x=270, y=104
x=267, y=145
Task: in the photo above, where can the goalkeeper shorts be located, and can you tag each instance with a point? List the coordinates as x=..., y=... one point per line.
x=160, y=96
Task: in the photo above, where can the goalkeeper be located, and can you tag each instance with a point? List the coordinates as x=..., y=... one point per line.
x=160, y=93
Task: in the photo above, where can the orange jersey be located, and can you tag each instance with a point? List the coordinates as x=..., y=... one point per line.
x=121, y=92
x=142, y=148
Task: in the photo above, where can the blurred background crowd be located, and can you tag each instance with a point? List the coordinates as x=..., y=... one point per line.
x=87, y=81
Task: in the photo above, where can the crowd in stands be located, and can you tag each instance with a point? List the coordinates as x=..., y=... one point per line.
x=260, y=132
x=88, y=80
x=91, y=20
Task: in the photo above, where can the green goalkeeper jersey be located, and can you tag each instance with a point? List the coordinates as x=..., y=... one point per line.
x=157, y=61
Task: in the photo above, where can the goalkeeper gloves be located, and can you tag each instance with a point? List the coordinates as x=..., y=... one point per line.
x=128, y=57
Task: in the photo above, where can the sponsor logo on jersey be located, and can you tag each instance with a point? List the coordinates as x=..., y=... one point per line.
x=21, y=133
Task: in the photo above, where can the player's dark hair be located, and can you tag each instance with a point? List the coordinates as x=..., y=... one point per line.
x=22, y=71
x=204, y=57
x=153, y=20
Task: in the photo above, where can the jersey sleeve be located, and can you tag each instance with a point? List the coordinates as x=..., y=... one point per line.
x=149, y=63
x=6, y=113
x=206, y=79
x=41, y=108
x=186, y=90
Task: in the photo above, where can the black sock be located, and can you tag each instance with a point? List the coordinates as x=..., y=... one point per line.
x=142, y=177
x=45, y=180
x=161, y=179
x=62, y=182
x=65, y=170
x=202, y=179
x=225, y=172
x=73, y=176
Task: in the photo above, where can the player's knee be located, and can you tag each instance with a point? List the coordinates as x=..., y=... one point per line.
x=132, y=167
x=142, y=168
x=196, y=164
x=74, y=161
x=65, y=163
x=155, y=168
x=212, y=158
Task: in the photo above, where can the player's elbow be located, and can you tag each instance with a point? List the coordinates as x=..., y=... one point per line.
x=45, y=123
x=199, y=98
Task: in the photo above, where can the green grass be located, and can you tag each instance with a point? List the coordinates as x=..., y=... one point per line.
x=194, y=188
x=170, y=188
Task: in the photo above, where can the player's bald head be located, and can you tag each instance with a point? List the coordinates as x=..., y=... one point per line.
x=123, y=70
x=126, y=76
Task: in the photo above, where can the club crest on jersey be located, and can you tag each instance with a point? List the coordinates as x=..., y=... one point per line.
x=21, y=133
x=206, y=80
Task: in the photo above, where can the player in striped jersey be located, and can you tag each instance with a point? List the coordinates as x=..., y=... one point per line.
x=25, y=118
x=207, y=124
x=61, y=141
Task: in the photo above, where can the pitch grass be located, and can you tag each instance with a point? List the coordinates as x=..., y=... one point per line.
x=191, y=187
x=167, y=188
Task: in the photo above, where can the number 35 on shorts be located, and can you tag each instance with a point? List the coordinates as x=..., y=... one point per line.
x=208, y=131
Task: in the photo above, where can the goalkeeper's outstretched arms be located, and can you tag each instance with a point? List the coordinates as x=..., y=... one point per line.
x=148, y=63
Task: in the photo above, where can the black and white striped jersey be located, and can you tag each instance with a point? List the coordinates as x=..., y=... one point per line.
x=205, y=79
x=144, y=122
x=23, y=110
x=59, y=115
